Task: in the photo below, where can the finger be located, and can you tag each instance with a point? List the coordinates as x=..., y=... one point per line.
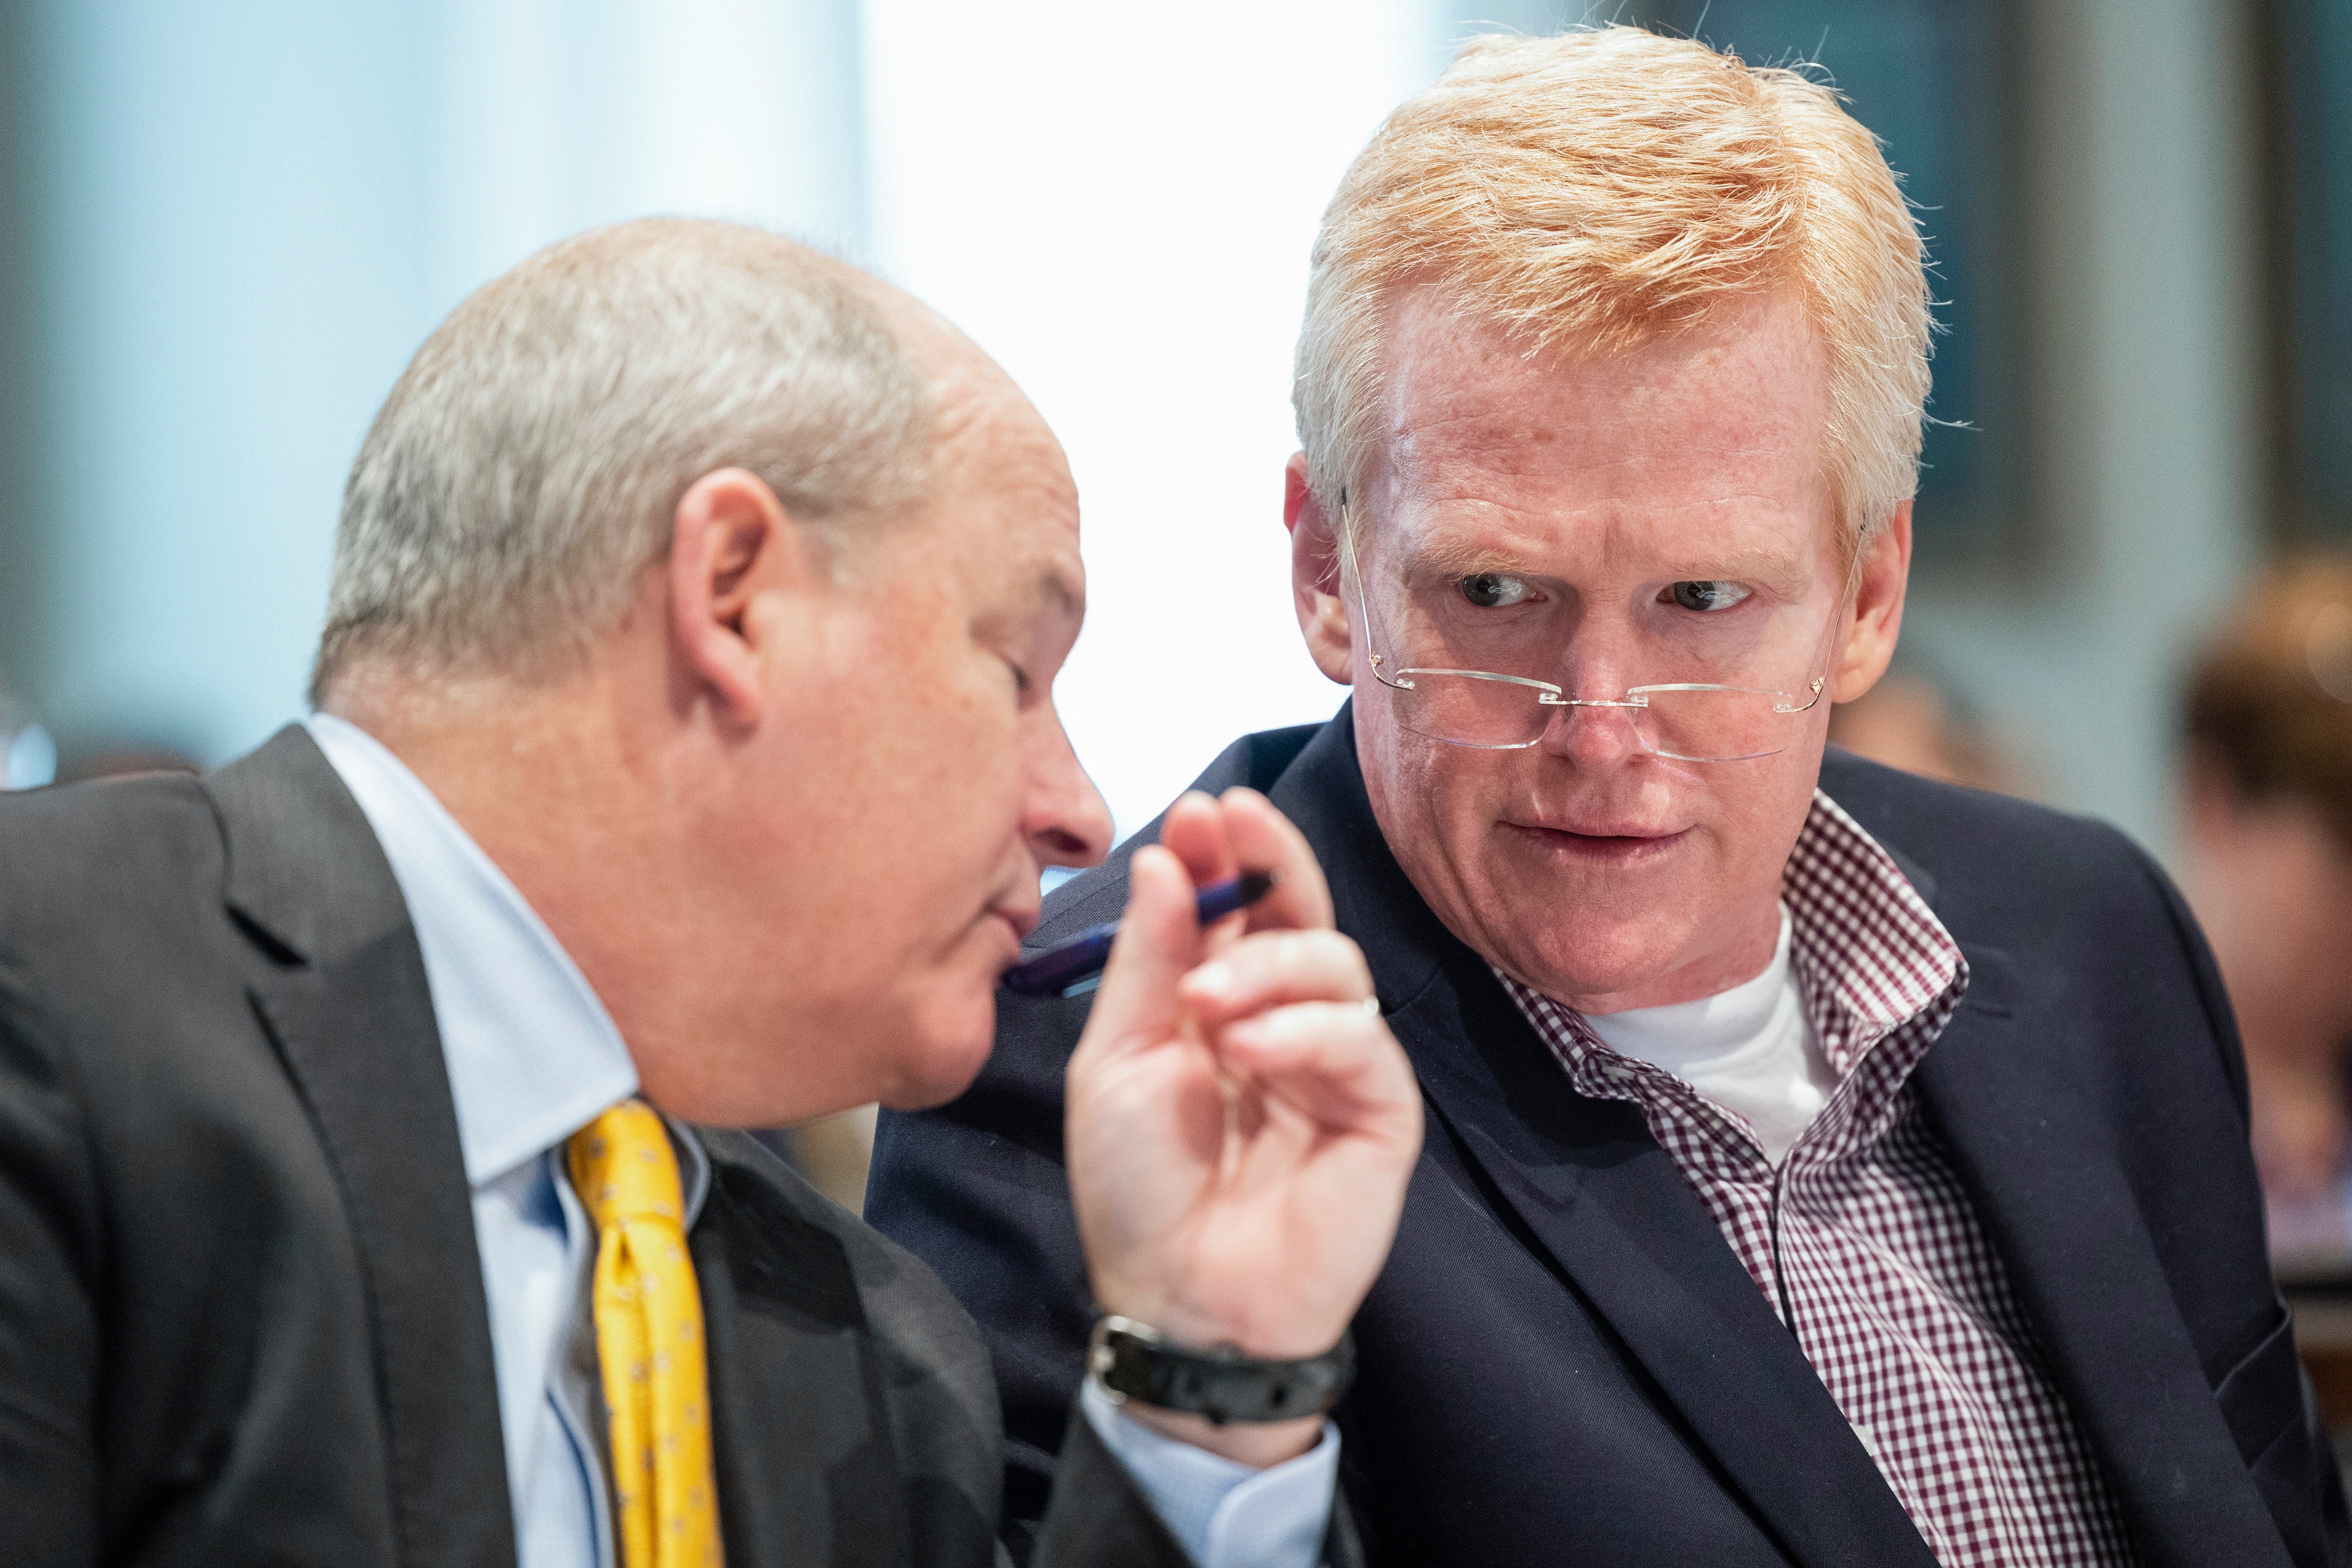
x=1262, y=839
x=1332, y=1062
x=1273, y=969
x=1159, y=941
x=1194, y=832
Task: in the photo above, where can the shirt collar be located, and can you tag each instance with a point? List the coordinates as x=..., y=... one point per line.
x=1871, y=955
x=533, y=1055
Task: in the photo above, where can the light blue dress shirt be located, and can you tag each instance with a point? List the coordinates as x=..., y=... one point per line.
x=532, y=1057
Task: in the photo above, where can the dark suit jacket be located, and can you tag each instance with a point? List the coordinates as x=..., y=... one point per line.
x=1564, y=1362
x=241, y=1312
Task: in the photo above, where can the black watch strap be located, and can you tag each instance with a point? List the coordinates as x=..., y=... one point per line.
x=1135, y=1360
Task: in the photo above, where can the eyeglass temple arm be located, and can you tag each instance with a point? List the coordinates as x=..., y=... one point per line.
x=1363, y=604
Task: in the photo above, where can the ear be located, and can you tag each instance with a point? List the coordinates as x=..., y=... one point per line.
x=1883, y=577
x=1314, y=575
x=730, y=542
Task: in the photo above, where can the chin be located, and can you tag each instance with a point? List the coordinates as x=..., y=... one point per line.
x=1597, y=956
x=945, y=1043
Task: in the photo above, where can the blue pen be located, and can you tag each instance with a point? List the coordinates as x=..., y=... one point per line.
x=1076, y=965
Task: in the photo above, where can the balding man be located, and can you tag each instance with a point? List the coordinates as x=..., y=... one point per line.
x=685, y=760
x=1827, y=1167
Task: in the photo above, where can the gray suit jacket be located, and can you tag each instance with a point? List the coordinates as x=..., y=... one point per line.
x=241, y=1314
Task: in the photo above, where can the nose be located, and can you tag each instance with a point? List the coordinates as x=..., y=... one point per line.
x=1065, y=817
x=1601, y=735
x=1592, y=737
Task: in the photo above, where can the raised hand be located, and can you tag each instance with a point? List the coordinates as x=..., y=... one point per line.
x=1240, y=1121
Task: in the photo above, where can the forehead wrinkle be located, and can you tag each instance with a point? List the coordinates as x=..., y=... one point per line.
x=1470, y=415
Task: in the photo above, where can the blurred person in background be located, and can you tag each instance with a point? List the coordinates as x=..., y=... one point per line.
x=685, y=760
x=1826, y=1165
x=1913, y=720
x=2267, y=840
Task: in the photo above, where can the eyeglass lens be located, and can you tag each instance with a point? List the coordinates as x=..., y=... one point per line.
x=1479, y=709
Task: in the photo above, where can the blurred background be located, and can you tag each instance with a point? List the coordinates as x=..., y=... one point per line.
x=223, y=228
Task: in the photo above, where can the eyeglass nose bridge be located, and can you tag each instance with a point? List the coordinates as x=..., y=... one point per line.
x=1554, y=700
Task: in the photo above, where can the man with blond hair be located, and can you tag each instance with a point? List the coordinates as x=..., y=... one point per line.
x=1825, y=1166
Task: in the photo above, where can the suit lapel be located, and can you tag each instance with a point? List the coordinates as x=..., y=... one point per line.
x=807, y=1473
x=339, y=983
x=1594, y=1191
x=2037, y=1160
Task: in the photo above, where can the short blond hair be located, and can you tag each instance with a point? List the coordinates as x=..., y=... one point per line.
x=1596, y=190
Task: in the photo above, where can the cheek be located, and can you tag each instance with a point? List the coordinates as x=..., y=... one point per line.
x=903, y=775
x=1436, y=806
x=954, y=826
x=1747, y=816
x=1454, y=796
x=1770, y=810
x=974, y=766
x=1398, y=779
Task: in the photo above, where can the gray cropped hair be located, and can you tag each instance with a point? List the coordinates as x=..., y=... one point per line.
x=526, y=468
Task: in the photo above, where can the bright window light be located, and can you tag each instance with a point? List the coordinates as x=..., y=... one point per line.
x=1117, y=202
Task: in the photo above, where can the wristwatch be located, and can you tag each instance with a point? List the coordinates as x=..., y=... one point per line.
x=1135, y=1360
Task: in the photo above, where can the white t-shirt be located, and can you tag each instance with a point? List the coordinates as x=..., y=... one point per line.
x=1750, y=1050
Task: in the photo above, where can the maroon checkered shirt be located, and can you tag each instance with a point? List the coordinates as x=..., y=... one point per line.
x=1863, y=1240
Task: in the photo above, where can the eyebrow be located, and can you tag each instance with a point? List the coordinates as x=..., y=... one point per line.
x=1458, y=557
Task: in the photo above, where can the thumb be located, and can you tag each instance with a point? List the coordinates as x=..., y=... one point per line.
x=1159, y=941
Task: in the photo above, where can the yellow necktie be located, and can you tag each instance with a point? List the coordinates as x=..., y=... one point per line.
x=649, y=1340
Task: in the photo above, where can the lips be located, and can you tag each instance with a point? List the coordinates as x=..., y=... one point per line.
x=1597, y=842
x=1600, y=827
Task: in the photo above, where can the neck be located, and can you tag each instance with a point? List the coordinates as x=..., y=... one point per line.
x=1728, y=965
x=564, y=791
